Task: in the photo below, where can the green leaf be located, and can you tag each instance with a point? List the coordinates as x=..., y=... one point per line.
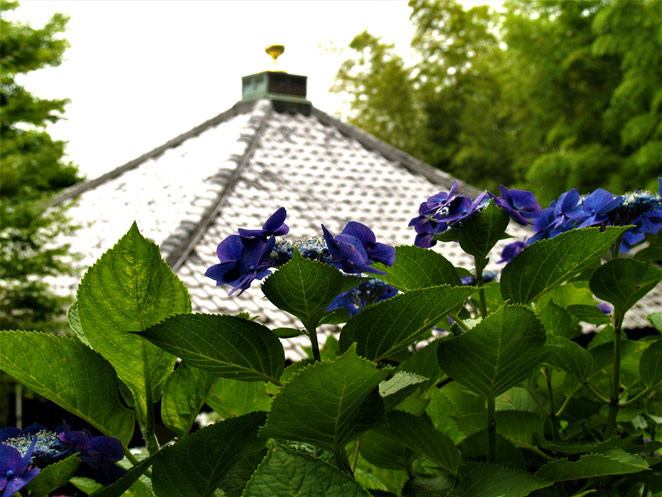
x=493, y=480
x=196, y=465
x=451, y=406
x=547, y=263
x=401, y=385
x=74, y=323
x=238, y=477
x=183, y=395
x=520, y=426
x=53, y=476
x=570, y=357
x=389, y=327
x=59, y=368
x=226, y=346
x=557, y=321
x=328, y=403
x=379, y=448
x=424, y=363
x=421, y=437
x=483, y=230
x=339, y=315
x=655, y=319
x=650, y=365
x=632, y=443
x=589, y=314
x=287, y=332
x=232, y=398
x=117, y=489
x=474, y=448
x=649, y=254
x=609, y=463
x=496, y=354
x=622, y=282
x=130, y=288
x=286, y=472
x=305, y=288
x=417, y=268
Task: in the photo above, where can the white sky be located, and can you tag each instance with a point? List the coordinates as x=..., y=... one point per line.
x=140, y=72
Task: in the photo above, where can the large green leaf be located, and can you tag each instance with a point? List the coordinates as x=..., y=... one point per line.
x=416, y=267
x=546, y=263
x=183, y=395
x=497, y=353
x=226, y=346
x=74, y=323
x=286, y=472
x=570, y=357
x=196, y=465
x=53, y=476
x=328, y=403
x=391, y=326
x=400, y=386
x=650, y=365
x=420, y=436
x=622, y=282
x=72, y=375
x=493, y=480
x=130, y=288
x=129, y=480
x=610, y=462
x=232, y=398
x=483, y=230
x=379, y=448
x=305, y=288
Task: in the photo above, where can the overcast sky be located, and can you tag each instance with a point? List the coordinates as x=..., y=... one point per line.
x=140, y=72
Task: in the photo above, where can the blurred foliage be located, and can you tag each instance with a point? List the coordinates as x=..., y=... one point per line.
x=546, y=95
x=32, y=170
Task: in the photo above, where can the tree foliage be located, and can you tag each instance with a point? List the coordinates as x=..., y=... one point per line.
x=32, y=169
x=547, y=95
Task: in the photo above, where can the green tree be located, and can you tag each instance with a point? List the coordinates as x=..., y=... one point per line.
x=32, y=170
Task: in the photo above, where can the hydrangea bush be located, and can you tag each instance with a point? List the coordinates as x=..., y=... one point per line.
x=439, y=380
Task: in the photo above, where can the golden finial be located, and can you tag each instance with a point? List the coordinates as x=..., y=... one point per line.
x=274, y=51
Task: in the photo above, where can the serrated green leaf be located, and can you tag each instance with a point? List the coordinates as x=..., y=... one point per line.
x=389, y=327
x=196, y=465
x=496, y=354
x=424, y=363
x=519, y=426
x=482, y=230
x=656, y=320
x=232, y=398
x=608, y=463
x=382, y=450
x=493, y=480
x=650, y=365
x=649, y=254
x=448, y=406
x=287, y=332
x=286, y=472
x=632, y=443
x=130, y=479
x=547, y=263
x=423, y=438
x=622, y=282
x=238, y=477
x=400, y=386
x=328, y=403
x=417, y=268
x=53, y=476
x=474, y=449
x=336, y=316
x=570, y=357
x=58, y=368
x=305, y=288
x=129, y=289
x=589, y=314
x=557, y=321
x=225, y=346
x=183, y=395
x=74, y=323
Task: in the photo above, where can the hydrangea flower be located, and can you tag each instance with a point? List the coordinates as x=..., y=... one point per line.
x=15, y=471
x=368, y=292
x=356, y=248
x=47, y=447
x=520, y=205
x=594, y=209
x=511, y=250
x=274, y=226
x=242, y=260
x=488, y=277
x=309, y=248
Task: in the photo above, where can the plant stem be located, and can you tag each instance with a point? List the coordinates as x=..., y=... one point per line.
x=616, y=380
x=342, y=461
x=479, y=284
x=459, y=322
x=355, y=455
x=312, y=333
x=639, y=395
x=491, y=429
x=596, y=393
x=147, y=422
x=567, y=401
x=547, y=373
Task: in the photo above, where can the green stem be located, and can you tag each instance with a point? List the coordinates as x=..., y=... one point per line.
x=616, y=380
x=547, y=373
x=459, y=322
x=312, y=333
x=534, y=396
x=639, y=395
x=146, y=422
x=596, y=392
x=355, y=455
x=491, y=429
x=567, y=401
x=342, y=461
x=479, y=284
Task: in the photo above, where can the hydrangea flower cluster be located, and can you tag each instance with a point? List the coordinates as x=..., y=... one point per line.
x=488, y=277
x=449, y=209
x=251, y=254
x=22, y=452
x=368, y=292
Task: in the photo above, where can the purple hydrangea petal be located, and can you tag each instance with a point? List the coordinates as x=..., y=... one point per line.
x=16, y=483
x=9, y=432
x=520, y=205
x=360, y=231
x=381, y=252
x=511, y=250
x=230, y=249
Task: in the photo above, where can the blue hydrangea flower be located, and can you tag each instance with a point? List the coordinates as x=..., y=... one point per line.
x=242, y=260
x=368, y=292
x=15, y=471
x=604, y=307
x=594, y=209
x=309, y=248
x=356, y=248
x=511, y=250
x=520, y=205
x=488, y=277
x=274, y=226
x=48, y=445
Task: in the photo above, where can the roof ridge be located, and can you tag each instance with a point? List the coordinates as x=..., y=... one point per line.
x=183, y=248
x=77, y=189
x=392, y=153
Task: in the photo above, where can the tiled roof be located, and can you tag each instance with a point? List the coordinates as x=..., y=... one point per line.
x=234, y=171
